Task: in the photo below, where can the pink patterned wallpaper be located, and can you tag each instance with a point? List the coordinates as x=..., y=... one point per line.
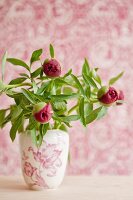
x=99, y=30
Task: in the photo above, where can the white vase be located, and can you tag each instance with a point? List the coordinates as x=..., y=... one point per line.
x=44, y=167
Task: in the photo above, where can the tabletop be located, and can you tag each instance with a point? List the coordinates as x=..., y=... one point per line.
x=72, y=188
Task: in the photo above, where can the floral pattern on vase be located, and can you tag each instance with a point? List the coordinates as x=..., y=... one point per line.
x=34, y=174
x=44, y=167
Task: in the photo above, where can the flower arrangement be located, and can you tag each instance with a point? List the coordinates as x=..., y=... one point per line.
x=42, y=98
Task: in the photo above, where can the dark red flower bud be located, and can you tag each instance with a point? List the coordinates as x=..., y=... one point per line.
x=120, y=97
x=107, y=95
x=42, y=112
x=52, y=68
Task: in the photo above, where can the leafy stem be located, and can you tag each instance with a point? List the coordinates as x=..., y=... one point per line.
x=72, y=109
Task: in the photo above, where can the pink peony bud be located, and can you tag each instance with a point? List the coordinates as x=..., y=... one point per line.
x=52, y=68
x=107, y=95
x=42, y=112
x=120, y=97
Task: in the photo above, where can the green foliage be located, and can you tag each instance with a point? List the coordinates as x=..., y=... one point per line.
x=4, y=58
x=17, y=81
x=86, y=67
x=68, y=73
x=64, y=96
x=72, y=97
x=70, y=118
x=51, y=49
x=67, y=90
x=15, y=126
x=35, y=56
x=34, y=136
x=2, y=116
x=81, y=111
x=95, y=76
x=36, y=72
x=93, y=115
x=29, y=96
x=78, y=84
x=116, y=78
x=59, y=107
x=89, y=81
x=32, y=123
x=19, y=62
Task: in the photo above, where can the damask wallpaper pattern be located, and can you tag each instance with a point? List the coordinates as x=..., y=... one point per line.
x=102, y=31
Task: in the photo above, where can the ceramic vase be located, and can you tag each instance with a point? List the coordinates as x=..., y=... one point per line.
x=44, y=167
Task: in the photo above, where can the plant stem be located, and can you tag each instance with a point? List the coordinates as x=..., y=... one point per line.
x=72, y=109
x=17, y=85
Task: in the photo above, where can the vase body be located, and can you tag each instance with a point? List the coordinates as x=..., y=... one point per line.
x=44, y=167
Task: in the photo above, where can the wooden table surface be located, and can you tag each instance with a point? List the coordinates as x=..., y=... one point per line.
x=73, y=188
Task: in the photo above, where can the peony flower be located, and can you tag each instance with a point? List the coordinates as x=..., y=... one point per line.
x=120, y=98
x=52, y=68
x=107, y=95
x=42, y=112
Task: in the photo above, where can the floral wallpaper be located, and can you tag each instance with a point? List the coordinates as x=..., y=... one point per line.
x=102, y=31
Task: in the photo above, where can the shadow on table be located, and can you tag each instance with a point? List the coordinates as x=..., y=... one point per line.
x=13, y=185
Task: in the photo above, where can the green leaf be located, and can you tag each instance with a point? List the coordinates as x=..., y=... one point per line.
x=33, y=136
x=21, y=63
x=67, y=90
x=88, y=108
x=69, y=80
x=78, y=84
x=35, y=55
x=102, y=112
x=88, y=91
x=43, y=87
x=64, y=96
x=32, y=123
x=70, y=118
x=35, y=87
x=68, y=73
x=63, y=127
x=85, y=68
x=42, y=131
x=24, y=75
x=45, y=128
x=59, y=81
x=89, y=81
x=2, y=86
x=4, y=58
x=36, y=72
x=81, y=110
x=59, y=105
x=114, y=79
x=51, y=49
x=29, y=95
x=17, y=97
x=96, y=76
x=17, y=81
x=93, y=115
x=51, y=88
x=15, y=127
x=6, y=120
x=32, y=97
x=22, y=101
x=39, y=140
x=2, y=116
x=15, y=112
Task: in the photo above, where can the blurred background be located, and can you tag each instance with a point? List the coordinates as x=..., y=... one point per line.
x=102, y=31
